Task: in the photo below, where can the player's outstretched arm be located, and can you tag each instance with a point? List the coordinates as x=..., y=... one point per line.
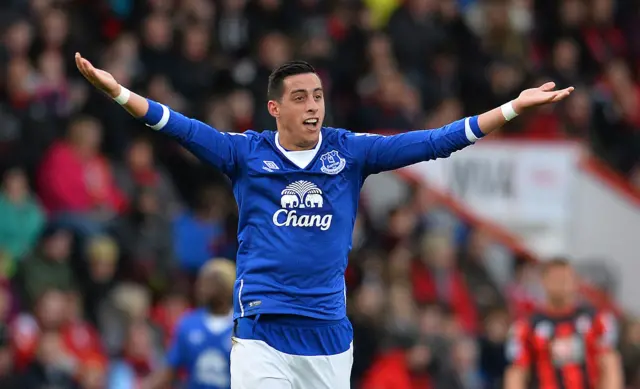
x=217, y=148
x=529, y=98
x=135, y=104
x=382, y=153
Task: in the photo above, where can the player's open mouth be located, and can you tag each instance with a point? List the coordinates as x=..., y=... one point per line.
x=311, y=124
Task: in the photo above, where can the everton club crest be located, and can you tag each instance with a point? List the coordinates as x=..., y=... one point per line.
x=332, y=162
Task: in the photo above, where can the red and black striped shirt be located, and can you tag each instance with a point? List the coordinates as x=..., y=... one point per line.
x=562, y=351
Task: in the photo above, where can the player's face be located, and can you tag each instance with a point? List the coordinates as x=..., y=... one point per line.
x=300, y=112
x=560, y=284
x=206, y=288
x=211, y=289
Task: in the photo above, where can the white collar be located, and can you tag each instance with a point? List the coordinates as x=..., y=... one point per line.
x=300, y=158
x=218, y=323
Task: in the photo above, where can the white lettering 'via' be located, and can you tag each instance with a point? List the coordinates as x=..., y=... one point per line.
x=290, y=218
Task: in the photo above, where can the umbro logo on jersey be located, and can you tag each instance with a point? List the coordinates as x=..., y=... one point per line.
x=301, y=195
x=270, y=166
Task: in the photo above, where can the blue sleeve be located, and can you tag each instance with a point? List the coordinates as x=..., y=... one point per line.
x=379, y=153
x=220, y=149
x=175, y=353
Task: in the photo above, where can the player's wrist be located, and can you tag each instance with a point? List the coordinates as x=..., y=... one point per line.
x=512, y=109
x=120, y=95
x=517, y=105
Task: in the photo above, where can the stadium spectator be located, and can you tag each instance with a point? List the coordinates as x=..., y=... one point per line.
x=76, y=183
x=477, y=273
x=617, y=117
x=157, y=42
x=466, y=374
x=404, y=367
x=22, y=219
x=93, y=372
x=170, y=309
x=386, y=109
x=241, y=107
x=102, y=257
x=433, y=215
x=127, y=303
x=8, y=378
x=138, y=359
x=435, y=279
x=52, y=366
x=492, y=358
x=6, y=307
x=366, y=316
x=18, y=39
x=433, y=323
x=81, y=338
x=577, y=115
x=141, y=171
x=48, y=267
x=27, y=329
x=524, y=292
x=402, y=223
x=146, y=233
x=274, y=48
x=195, y=76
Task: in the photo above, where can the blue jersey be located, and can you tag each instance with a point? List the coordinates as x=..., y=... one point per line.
x=202, y=347
x=296, y=223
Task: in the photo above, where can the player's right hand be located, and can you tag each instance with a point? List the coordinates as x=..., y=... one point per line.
x=98, y=77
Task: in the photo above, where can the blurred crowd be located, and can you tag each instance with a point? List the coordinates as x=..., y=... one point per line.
x=105, y=224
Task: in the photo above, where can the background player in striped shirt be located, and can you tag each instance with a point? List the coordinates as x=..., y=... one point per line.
x=563, y=344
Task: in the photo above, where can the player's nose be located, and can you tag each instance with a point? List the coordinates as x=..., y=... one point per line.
x=312, y=106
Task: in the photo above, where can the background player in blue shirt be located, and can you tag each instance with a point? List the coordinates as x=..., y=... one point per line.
x=202, y=342
x=297, y=191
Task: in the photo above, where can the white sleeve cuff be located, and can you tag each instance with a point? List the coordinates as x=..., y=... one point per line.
x=469, y=132
x=163, y=121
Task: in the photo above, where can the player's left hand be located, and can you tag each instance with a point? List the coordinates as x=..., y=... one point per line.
x=542, y=95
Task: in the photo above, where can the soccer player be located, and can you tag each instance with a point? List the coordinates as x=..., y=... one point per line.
x=563, y=345
x=297, y=191
x=202, y=341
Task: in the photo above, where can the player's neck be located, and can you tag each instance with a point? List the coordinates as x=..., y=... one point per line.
x=559, y=306
x=206, y=214
x=288, y=142
x=219, y=311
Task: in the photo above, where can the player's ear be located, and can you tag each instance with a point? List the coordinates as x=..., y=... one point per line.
x=274, y=108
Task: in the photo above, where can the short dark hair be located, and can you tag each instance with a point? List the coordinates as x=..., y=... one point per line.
x=276, y=78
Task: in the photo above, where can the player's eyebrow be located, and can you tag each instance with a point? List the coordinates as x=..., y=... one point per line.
x=305, y=91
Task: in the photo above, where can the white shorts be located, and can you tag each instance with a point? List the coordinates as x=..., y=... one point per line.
x=256, y=365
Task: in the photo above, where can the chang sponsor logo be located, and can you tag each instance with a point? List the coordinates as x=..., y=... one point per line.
x=301, y=195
